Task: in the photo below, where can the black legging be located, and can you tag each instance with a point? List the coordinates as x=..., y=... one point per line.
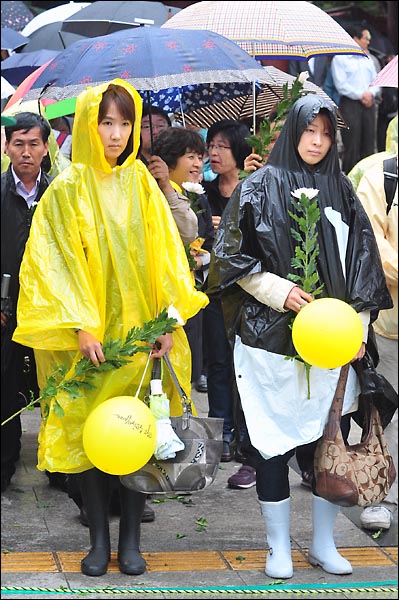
x=272, y=483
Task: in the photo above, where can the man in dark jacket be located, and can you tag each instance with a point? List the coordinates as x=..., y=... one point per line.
x=22, y=185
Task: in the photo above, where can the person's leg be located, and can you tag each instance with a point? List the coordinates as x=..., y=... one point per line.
x=368, y=142
x=272, y=485
x=220, y=373
x=351, y=138
x=323, y=551
x=95, y=490
x=380, y=516
x=11, y=432
x=245, y=477
x=193, y=330
x=130, y=559
x=305, y=458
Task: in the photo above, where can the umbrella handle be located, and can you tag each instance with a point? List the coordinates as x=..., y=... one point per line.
x=150, y=121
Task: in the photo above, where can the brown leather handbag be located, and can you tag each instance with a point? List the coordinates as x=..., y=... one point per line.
x=359, y=474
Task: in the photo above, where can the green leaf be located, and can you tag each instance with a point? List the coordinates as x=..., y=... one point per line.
x=377, y=534
x=138, y=339
x=201, y=523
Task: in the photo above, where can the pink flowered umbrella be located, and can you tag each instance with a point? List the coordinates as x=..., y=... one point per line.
x=388, y=76
x=15, y=14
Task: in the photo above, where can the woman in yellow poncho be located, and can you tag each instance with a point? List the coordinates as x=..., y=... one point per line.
x=104, y=255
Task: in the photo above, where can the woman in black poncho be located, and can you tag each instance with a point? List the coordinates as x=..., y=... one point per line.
x=250, y=263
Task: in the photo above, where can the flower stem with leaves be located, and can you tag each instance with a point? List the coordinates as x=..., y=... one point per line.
x=117, y=354
x=306, y=215
x=260, y=142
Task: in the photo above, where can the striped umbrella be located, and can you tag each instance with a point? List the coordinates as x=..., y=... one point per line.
x=388, y=76
x=270, y=30
x=240, y=107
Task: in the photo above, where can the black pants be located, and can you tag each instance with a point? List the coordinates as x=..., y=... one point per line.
x=359, y=140
x=18, y=379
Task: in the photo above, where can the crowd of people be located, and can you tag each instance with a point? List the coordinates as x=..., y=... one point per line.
x=115, y=237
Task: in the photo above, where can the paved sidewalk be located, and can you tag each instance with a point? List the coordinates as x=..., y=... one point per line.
x=43, y=543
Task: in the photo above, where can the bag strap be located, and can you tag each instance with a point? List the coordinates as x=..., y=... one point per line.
x=390, y=166
x=185, y=400
x=334, y=416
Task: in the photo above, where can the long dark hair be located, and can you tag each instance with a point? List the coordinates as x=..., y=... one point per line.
x=125, y=105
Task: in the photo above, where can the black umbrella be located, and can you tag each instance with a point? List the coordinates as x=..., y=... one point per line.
x=11, y=39
x=15, y=15
x=50, y=37
x=102, y=18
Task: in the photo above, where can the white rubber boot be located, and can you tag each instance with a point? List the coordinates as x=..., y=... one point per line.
x=277, y=521
x=322, y=551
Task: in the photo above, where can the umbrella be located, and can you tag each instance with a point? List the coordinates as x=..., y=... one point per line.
x=242, y=106
x=149, y=58
x=270, y=30
x=26, y=85
x=53, y=15
x=15, y=15
x=11, y=39
x=18, y=66
x=102, y=18
x=388, y=76
x=7, y=89
x=50, y=37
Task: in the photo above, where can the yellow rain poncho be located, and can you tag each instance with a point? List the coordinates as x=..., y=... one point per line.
x=104, y=255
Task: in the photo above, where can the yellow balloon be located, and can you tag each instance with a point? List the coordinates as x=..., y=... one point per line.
x=119, y=435
x=327, y=333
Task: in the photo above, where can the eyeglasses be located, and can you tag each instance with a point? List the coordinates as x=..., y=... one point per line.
x=217, y=148
x=157, y=127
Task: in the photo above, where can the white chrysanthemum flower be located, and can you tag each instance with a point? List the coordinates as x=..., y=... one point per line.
x=303, y=76
x=308, y=192
x=195, y=188
x=173, y=313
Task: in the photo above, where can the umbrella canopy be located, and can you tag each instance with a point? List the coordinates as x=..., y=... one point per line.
x=18, y=66
x=11, y=39
x=190, y=97
x=149, y=58
x=388, y=76
x=50, y=37
x=103, y=18
x=7, y=89
x=53, y=15
x=15, y=15
x=25, y=85
x=270, y=30
x=212, y=107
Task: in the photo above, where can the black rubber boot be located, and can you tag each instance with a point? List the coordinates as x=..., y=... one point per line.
x=132, y=506
x=94, y=486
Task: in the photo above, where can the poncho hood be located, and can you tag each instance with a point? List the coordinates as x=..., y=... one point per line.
x=87, y=148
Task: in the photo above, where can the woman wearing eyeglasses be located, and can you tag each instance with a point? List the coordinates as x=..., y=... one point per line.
x=227, y=149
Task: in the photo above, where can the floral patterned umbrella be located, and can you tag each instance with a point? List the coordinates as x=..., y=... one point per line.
x=15, y=15
x=149, y=58
x=213, y=106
